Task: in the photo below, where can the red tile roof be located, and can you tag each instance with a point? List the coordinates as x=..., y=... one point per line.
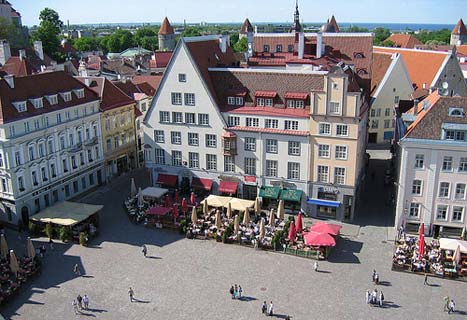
x=403, y=40
x=166, y=28
x=296, y=95
x=18, y=67
x=40, y=85
x=145, y=81
x=161, y=59
x=333, y=23
x=381, y=62
x=265, y=94
x=246, y=27
x=459, y=28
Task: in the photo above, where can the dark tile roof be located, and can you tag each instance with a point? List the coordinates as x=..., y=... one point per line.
x=246, y=27
x=40, y=85
x=118, y=66
x=161, y=59
x=151, y=81
x=18, y=67
x=166, y=28
x=32, y=58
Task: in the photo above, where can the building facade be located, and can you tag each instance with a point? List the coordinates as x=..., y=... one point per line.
x=50, y=143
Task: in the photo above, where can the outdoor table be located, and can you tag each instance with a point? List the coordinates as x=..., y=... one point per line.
x=450, y=272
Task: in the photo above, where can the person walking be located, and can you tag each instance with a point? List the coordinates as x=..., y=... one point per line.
x=425, y=281
x=271, y=309
x=131, y=293
x=451, y=306
x=264, y=307
x=376, y=278
x=144, y=250
x=235, y=291
x=51, y=244
x=232, y=292
x=381, y=298
x=86, y=302
x=374, y=275
x=76, y=270
x=80, y=300
x=367, y=296
x=240, y=292
x=75, y=306
x=315, y=267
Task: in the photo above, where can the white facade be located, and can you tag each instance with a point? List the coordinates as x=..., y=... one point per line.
x=49, y=158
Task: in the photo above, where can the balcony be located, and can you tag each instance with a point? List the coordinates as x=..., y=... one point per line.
x=229, y=143
x=77, y=147
x=90, y=142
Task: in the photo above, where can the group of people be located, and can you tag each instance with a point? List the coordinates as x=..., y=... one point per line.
x=236, y=292
x=374, y=298
x=80, y=303
x=449, y=305
x=267, y=310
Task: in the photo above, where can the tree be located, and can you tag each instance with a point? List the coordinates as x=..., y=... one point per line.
x=191, y=32
x=8, y=30
x=388, y=43
x=120, y=40
x=48, y=31
x=146, y=38
x=234, y=37
x=355, y=29
x=150, y=43
x=241, y=45
x=86, y=44
x=381, y=34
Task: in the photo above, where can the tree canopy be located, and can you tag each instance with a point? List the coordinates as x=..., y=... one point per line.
x=381, y=34
x=241, y=45
x=7, y=30
x=48, y=32
x=86, y=44
x=118, y=41
x=147, y=38
x=442, y=36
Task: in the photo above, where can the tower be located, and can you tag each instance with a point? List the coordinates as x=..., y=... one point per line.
x=246, y=29
x=166, y=36
x=459, y=34
x=296, y=27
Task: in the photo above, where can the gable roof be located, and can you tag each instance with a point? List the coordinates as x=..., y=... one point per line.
x=166, y=28
x=381, y=63
x=422, y=65
x=18, y=67
x=144, y=81
x=37, y=86
x=160, y=59
x=246, y=27
x=459, y=28
x=333, y=23
x=403, y=40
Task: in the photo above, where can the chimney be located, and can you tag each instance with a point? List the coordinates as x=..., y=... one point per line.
x=10, y=79
x=319, y=45
x=415, y=107
x=5, y=52
x=424, y=85
x=223, y=40
x=38, y=49
x=22, y=54
x=250, y=44
x=301, y=45
x=87, y=82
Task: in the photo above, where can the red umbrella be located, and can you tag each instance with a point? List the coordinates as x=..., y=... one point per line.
x=421, y=241
x=299, y=226
x=184, y=205
x=332, y=229
x=319, y=239
x=292, y=233
x=177, y=197
x=157, y=211
x=167, y=203
x=193, y=199
x=175, y=213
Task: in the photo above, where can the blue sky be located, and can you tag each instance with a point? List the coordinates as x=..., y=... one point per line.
x=102, y=11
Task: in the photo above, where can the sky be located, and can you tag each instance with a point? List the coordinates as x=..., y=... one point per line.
x=194, y=11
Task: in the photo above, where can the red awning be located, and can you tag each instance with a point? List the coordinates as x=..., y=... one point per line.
x=265, y=94
x=228, y=134
x=201, y=183
x=249, y=179
x=167, y=180
x=228, y=187
x=158, y=211
x=296, y=95
x=332, y=229
x=318, y=239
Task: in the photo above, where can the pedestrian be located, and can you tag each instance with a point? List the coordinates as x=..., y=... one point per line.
x=239, y=291
x=51, y=244
x=264, y=307
x=144, y=250
x=76, y=270
x=425, y=282
x=86, y=302
x=367, y=296
x=75, y=307
x=80, y=300
x=446, y=304
x=235, y=291
x=376, y=278
x=374, y=275
x=131, y=293
x=374, y=296
x=451, y=306
x=381, y=298
x=316, y=266
x=271, y=309
x=232, y=292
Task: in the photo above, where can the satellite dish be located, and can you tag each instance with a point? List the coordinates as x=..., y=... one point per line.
x=443, y=92
x=445, y=85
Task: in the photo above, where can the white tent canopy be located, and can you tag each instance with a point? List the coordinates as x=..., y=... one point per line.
x=240, y=204
x=451, y=244
x=217, y=201
x=154, y=192
x=67, y=213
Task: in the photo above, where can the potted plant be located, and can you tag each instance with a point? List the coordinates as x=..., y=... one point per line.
x=48, y=230
x=83, y=239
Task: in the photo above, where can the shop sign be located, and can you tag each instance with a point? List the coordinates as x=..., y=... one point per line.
x=328, y=189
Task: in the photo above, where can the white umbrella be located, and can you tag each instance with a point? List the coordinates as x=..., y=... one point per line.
x=194, y=216
x=272, y=218
x=281, y=210
x=262, y=230
x=229, y=210
x=205, y=207
x=457, y=255
x=236, y=224
x=14, y=266
x=257, y=206
x=133, y=188
x=140, y=198
x=3, y=246
x=31, y=250
x=246, y=216
x=218, y=219
x=464, y=231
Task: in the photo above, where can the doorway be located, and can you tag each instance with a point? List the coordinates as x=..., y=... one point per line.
x=372, y=137
x=25, y=215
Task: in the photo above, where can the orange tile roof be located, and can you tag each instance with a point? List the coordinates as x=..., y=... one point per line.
x=430, y=101
x=404, y=40
x=422, y=65
x=166, y=28
x=459, y=28
x=381, y=63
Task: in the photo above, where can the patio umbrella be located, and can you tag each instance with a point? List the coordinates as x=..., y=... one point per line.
x=463, y=233
x=184, y=205
x=140, y=198
x=319, y=239
x=229, y=210
x=167, y=202
x=14, y=266
x=257, y=206
x=3, y=246
x=192, y=198
x=236, y=223
x=205, y=207
x=332, y=229
x=262, y=230
x=457, y=254
x=133, y=188
x=194, y=216
x=272, y=218
x=246, y=216
x=292, y=233
x=281, y=210
x=299, y=226
x=175, y=212
x=177, y=196
x=218, y=219
x=421, y=241
x=31, y=250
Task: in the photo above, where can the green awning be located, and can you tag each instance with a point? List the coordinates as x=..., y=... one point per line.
x=291, y=195
x=269, y=192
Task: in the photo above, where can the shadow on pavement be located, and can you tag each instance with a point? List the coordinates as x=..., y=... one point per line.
x=344, y=251
x=390, y=304
x=247, y=299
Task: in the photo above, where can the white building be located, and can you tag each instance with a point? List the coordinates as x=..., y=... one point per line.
x=50, y=142
x=433, y=168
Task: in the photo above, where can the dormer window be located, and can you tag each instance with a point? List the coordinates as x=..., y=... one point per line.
x=358, y=55
x=232, y=101
x=53, y=99
x=296, y=100
x=20, y=106
x=37, y=103
x=295, y=104
x=266, y=48
x=456, y=112
x=362, y=72
x=66, y=96
x=264, y=102
x=265, y=98
x=79, y=93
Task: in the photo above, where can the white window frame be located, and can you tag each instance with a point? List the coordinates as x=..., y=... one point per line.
x=271, y=168
x=447, y=164
x=233, y=121
x=414, y=210
x=324, y=129
x=189, y=98
x=444, y=186
x=324, y=151
x=229, y=163
x=293, y=170
x=271, y=123
x=462, y=164
x=271, y=146
x=176, y=98
x=250, y=166
x=294, y=148
x=190, y=118
x=211, y=141
x=193, y=160
x=159, y=136
x=177, y=117
x=250, y=144
x=159, y=156
x=417, y=189
x=456, y=196
x=455, y=209
x=163, y=115
x=340, y=175
x=446, y=213
x=334, y=107
x=322, y=173
x=340, y=152
x=193, y=139
x=340, y=127
x=176, y=137
x=419, y=161
x=291, y=125
x=252, y=122
x=177, y=158
x=203, y=119
x=211, y=162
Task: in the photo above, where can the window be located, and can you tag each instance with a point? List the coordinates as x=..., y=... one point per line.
x=231, y=101
x=44, y=174
x=294, y=148
x=176, y=158
x=189, y=99
x=442, y=212
x=268, y=102
x=107, y=124
x=447, y=164
x=122, y=119
x=271, y=146
x=109, y=144
x=417, y=187
x=159, y=136
x=53, y=99
x=18, y=158
x=203, y=119
x=387, y=112
x=34, y=178
x=229, y=164
x=342, y=130
x=164, y=116
x=73, y=162
x=52, y=170
x=250, y=144
x=295, y=104
x=252, y=122
x=279, y=48
x=293, y=170
x=20, y=106
x=374, y=124
x=193, y=160
x=290, y=48
x=1, y=160
x=211, y=141
x=211, y=162
x=91, y=180
x=233, y=121
x=414, y=210
x=239, y=101
x=271, y=123
x=4, y=185
x=325, y=129
x=193, y=139
x=387, y=123
x=65, y=165
x=419, y=161
x=443, y=190
x=334, y=107
x=116, y=142
x=463, y=165
x=341, y=152
x=50, y=146
x=181, y=77
x=323, y=173
x=26, y=127
x=190, y=118
x=12, y=131
x=81, y=158
x=291, y=125
x=90, y=155
x=266, y=48
x=159, y=156
x=177, y=117
x=31, y=153
x=457, y=213
x=339, y=176
x=59, y=118
x=21, y=184
x=176, y=137
x=176, y=98
x=250, y=166
x=324, y=150
x=271, y=168
x=456, y=112
x=460, y=191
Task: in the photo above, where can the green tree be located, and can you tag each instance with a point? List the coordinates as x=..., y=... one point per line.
x=442, y=36
x=356, y=29
x=86, y=44
x=48, y=32
x=150, y=43
x=8, y=30
x=241, y=45
x=234, y=37
x=191, y=32
x=141, y=33
x=388, y=43
x=381, y=34
x=119, y=41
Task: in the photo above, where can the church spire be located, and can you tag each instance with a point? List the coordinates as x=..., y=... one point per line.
x=296, y=25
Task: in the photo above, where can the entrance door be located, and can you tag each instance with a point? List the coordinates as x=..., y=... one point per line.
x=249, y=192
x=372, y=137
x=327, y=212
x=25, y=215
x=99, y=177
